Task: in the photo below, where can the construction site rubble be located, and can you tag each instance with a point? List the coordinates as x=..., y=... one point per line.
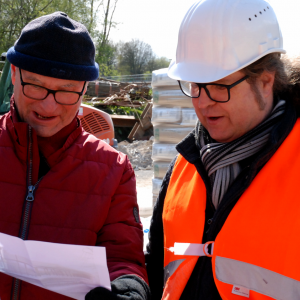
x=113, y=93
x=130, y=92
x=139, y=153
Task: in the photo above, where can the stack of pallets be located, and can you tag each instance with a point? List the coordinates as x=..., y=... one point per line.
x=173, y=118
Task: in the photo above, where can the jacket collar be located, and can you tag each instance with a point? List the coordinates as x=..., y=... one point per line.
x=188, y=149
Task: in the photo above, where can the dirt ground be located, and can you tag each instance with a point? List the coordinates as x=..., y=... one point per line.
x=144, y=178
x=144, y=191
x=145, y=199
x=140, y=156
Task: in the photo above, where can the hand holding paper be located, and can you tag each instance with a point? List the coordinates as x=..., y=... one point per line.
x=70, y=270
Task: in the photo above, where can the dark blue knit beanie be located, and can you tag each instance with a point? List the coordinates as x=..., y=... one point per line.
x=56, y=46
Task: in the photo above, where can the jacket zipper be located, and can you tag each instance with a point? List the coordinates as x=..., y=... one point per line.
x=15, y=295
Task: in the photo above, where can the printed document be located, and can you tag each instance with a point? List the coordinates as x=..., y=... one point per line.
x=69, y=270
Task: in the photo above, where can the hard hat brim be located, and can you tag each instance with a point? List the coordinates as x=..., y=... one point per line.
x=195, y=72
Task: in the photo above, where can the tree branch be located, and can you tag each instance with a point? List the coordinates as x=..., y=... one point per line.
x=47, y=5
x=110, y=21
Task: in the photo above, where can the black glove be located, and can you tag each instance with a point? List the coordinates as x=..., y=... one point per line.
x=127, y=287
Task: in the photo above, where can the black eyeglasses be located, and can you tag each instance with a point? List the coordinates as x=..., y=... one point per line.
x=37, y=92
x=216, y=92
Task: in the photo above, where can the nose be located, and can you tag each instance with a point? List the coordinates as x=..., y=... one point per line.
x=49, y=104
x=203, y=100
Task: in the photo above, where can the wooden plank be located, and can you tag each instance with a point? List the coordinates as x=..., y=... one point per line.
x=146, y=117
x=133, y=131
x=88, y=98
x=123, y=120
x=140, y=131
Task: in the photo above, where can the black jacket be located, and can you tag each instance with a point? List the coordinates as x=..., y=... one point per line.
x=201, y=284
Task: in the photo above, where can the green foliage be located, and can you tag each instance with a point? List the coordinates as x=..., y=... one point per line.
x=160, y=63
x=105, y=70
x=124, y=110
x=15, y=14
x=119, y=110
x=86, y=102
x=106, y=58
x=121, y=133
x=105, y=53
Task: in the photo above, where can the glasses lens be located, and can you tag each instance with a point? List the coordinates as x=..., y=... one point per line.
x=218, y=92
x=35, y=92
x=191, y=89
x=66, y=97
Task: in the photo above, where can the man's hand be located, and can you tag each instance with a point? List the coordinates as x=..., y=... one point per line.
x=127, y=287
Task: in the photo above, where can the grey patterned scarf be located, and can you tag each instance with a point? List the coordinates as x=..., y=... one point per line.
x=221, y=160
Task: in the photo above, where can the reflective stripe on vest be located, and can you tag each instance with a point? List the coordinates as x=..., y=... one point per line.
x=257, y=248
x=256, y=279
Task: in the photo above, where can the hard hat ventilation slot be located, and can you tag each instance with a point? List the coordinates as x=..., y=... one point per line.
x=260, y=13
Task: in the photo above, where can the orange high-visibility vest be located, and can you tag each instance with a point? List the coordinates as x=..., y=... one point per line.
x=256, y=255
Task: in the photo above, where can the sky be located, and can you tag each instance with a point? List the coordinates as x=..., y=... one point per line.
x=157, y=22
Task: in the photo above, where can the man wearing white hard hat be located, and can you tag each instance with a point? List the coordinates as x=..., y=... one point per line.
x=226, y=221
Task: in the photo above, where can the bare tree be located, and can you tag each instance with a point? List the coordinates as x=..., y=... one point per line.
x=109, y=7
x=134, y=56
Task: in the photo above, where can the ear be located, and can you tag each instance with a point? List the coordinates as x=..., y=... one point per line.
x=13, y=74
x=266, y=83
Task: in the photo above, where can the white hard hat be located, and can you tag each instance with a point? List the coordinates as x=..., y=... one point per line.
x=219, y=37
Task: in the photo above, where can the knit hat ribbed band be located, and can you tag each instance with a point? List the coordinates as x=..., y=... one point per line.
x=56, y=46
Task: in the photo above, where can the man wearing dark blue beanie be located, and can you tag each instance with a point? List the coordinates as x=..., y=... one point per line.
x=58, y=183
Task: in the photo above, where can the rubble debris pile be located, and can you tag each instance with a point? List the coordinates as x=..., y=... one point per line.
x=139, y=153
x=130, y=92
x=119, y=94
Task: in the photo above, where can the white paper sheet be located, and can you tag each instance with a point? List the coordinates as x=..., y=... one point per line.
x=69, y=270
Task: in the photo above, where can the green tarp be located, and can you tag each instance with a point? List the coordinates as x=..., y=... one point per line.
x=6, y=88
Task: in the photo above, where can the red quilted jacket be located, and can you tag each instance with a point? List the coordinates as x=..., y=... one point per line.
x=87, y=198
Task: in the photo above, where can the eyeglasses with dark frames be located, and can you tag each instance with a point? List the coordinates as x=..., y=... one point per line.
x=37, y=92
x=216, y=92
